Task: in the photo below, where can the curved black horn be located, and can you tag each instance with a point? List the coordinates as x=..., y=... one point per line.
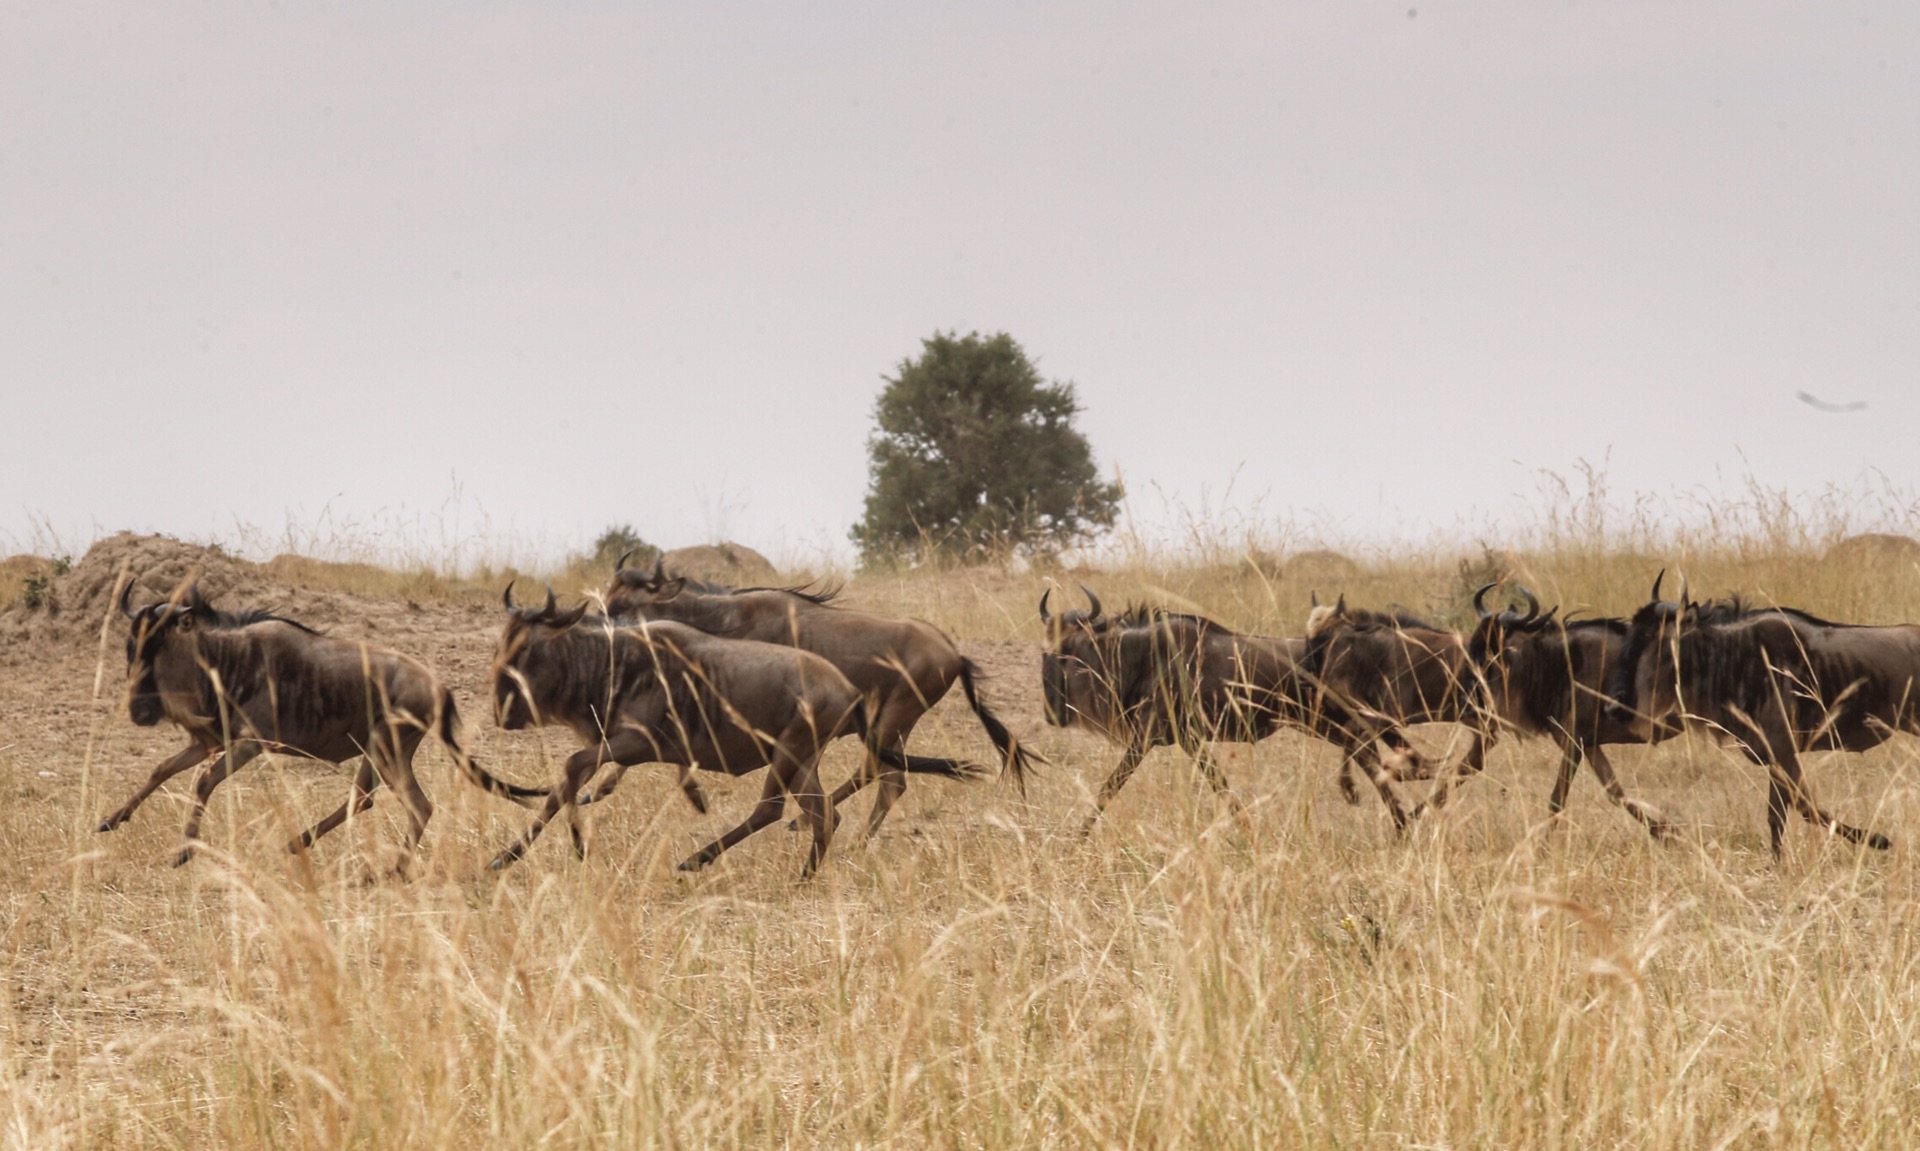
x=1313, y=597
x=1533, y=605
x=552, y=604
x=506, y=597
x=620, y=564
x=126, y=596
x=1092, y=599
x=659, y=567
x=1684, y=601
x=1044, y=617
x=1480, y=598
x=1655, y=598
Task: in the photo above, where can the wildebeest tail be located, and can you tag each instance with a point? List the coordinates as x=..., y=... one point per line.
x=481, y=777
x=914, y=764
x=1018, y=758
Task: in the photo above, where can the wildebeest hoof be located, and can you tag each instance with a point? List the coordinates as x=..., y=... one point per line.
x=1879, y=842
x=499, y=863
x=185, y=857
x=108, y=824
x=584, y=798
x=692, y=863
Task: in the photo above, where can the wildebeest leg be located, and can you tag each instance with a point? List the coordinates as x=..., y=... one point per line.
x=1129, y=761
x=807, y=790
x=1210, y=771
x=173, y=765
x=359, y=801
x=235, y=757
x=1471, y=764
x=773, y=800
x=395, y=765
x=625, y=748
x=893, y=721
x=689, y=786
x=1563, y=779
x=1787, y=785
x=1383, y=783
x=1649, y=815
x=1349, y=790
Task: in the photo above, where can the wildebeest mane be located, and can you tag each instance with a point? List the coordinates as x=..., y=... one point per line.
x=1393, y=618
x=222, y=620
x=822, y=594
x=813, y=591
x=1147, y=615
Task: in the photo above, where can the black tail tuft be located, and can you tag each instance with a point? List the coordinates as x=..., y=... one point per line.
x=481, y=777
x=964, y=770
x=1018, y=759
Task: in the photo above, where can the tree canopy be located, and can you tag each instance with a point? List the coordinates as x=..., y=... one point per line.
x=974, y=455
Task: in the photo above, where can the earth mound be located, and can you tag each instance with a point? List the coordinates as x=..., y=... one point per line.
x=1875, y=550
x=727, y=563
x=73, y=605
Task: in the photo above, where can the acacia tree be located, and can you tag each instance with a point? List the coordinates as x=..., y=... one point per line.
x=974, y=455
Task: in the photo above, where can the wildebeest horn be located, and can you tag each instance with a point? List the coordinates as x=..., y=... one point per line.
x=506, y=597
x=1044, y=617
x=1313, y=598
x=621, y=563
x=552, y=603
x=1092, y=599
x=1480, y=599
x=1656, y=586
x=659, y=567
x=1684, y=601
x=1533, y=605
x=126, y=595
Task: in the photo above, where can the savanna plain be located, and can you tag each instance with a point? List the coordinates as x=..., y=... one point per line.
x=979, y=975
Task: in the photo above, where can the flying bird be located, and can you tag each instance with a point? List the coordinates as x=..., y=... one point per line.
x=1813, y=401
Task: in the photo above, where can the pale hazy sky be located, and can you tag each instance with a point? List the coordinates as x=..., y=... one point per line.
x=566, y=264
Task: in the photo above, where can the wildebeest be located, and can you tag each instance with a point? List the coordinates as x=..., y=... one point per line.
x=247, y=682
x=905, y=665
x=1148, y=678
x=1543, y=676
x=1778, y=682
x=663, y=692
x=1391, y=667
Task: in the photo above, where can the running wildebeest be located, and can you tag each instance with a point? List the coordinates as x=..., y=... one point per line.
x=1542, y=676
x=905, y=665
x=1148, y=678
x=1776, y=681
x=247, y=682
x=1393, y=668
x=663, y=692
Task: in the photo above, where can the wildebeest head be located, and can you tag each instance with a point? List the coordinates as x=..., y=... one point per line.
x=160, y=635
x=633, y=590
x=1075, y=673
x=514, y=674
x=1645, y=683
x=1494, y=629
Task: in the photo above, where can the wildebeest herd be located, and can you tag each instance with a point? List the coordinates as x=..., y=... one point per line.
x=712, y=678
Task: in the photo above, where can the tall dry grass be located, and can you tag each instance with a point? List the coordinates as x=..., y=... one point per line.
x=981, y=976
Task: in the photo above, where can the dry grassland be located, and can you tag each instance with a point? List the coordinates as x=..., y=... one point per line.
x=979, y=976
